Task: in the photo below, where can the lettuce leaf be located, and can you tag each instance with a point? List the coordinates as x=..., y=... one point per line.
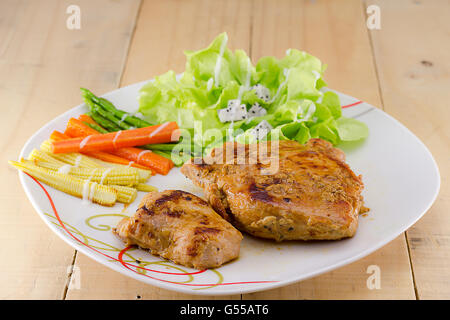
x=298, y=110
x=351, y=129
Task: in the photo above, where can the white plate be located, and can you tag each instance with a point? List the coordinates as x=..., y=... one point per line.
x=401, y=182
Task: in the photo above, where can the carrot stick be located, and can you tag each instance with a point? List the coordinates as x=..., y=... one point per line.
x=159, y=164
x=76, y=128
x=147, y=158
x=56, y=136
x=108, y=157
x=104, y=156
x=87, y=118
x=116, y=140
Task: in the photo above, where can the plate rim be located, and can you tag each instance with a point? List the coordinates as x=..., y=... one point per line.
x=240, y=290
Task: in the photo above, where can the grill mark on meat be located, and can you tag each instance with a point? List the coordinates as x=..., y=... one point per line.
x=192, y=250
x=276, y=180
x=146, y=210
x=315, y=166
x=306, y=153
x=175, y=195
x=206, y=230
x=173, y=214
x=200, y=163
x=230, y=214
x=199, y=201
x=258, y=193
x=201, y=236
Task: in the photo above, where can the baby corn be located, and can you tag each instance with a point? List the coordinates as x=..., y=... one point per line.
x=84, y=177
x=125, y=194
x=145, y=187
x=122, y=177
x=100, y=194
x=74, y=159
x=39, y=155
x=143, y=174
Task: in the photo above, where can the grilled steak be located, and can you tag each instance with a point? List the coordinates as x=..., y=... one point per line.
x=181, y=227
x=313, y=195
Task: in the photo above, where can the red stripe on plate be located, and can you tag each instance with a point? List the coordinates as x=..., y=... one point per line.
x=351, y=105
x=121, y=253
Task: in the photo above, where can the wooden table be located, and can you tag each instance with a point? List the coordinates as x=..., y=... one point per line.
x=402, y=68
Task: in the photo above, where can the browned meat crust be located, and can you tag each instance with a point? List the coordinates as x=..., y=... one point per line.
x=314, y=195
x=181, y=227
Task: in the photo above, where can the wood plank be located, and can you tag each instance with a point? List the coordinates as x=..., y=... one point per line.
x=164, y=29
x=412, y=59
x=350, y=282
x=99, y=282
x=42, y=65
x=335, y=32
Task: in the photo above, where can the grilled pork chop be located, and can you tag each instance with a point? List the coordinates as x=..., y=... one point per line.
x=181, y=227
x=314, y=195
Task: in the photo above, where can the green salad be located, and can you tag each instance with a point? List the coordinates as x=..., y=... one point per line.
x=222, y=90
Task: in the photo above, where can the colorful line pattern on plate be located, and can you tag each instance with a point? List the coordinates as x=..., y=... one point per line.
x=352, y=104
x=128, y=264
x=71, y=231
x=141, y=262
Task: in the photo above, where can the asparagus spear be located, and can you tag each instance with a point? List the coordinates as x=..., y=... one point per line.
x=105, y=123
x=95, y=127
x=165, y=154
x=109, y=107
x=105, y=114
x=178, y=160
x=95, y=108
x=165, y=146
x=109, y=117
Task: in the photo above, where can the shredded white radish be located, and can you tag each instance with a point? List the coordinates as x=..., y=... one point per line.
x=105, y=173
x=141, y=154
x=86, y=191
x=77, y=161
x=115, y=138
x=123, y=118
x=158, y=129
x=219, y=61
x=286, y=73
x=84, y=141
x=65, y=169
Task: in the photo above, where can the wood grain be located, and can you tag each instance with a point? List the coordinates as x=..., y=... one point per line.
x=350, y=282
x=166, y=28
x=412, y=59
x=335, y=32
x=402, y=68
x=163, y=31
x=42, y=65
